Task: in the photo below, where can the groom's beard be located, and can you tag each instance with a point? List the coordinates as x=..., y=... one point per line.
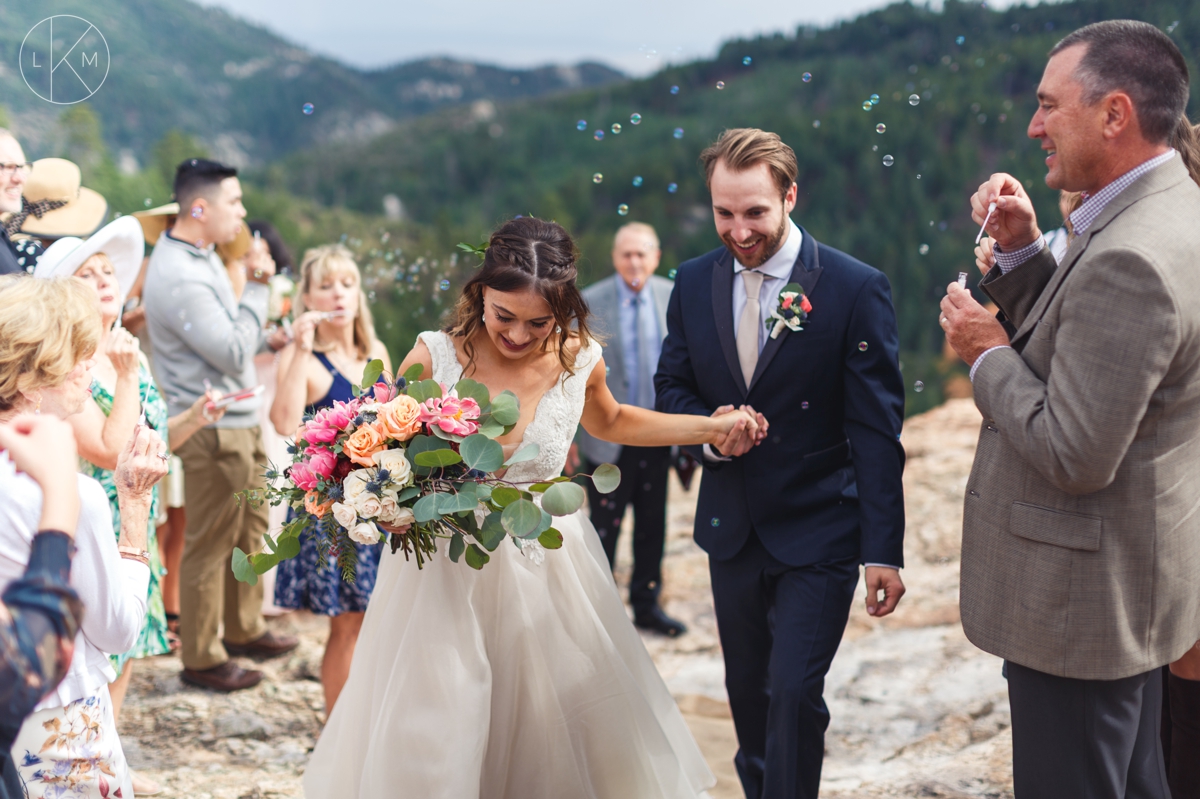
x=771, y=245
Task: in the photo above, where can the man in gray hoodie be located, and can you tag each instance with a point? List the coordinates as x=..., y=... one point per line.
x=202, y=335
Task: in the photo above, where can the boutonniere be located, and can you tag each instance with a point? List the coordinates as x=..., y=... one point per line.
x=791, y=311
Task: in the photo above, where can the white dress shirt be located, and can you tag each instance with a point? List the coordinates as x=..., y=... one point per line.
x=113, y=589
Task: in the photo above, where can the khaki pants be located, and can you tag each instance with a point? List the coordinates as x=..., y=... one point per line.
x=217, y=464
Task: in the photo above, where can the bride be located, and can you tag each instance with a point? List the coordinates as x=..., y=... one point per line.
x=524, y=680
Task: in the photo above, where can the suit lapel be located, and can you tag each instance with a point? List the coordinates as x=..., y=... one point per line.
x=1159, y=179
x=722, y=298
x=806, y=272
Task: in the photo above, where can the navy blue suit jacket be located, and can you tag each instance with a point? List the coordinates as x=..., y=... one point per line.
x=826, y=483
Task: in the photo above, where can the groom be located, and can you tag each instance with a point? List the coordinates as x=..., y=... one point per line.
x=786, y=525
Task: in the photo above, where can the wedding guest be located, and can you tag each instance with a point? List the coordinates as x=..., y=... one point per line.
x=334, y=338
x=1079, y=533
x=203, y=337
x=40, y=614
x=49, y=330
x=14, y=171
x=630, y=309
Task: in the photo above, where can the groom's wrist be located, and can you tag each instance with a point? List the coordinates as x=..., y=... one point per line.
x=712, y=454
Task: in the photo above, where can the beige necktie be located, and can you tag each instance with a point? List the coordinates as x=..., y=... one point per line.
x=747, y=332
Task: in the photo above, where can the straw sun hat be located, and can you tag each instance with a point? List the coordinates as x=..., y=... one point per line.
x=56, y=204
x=120, y=240
x=155, y=221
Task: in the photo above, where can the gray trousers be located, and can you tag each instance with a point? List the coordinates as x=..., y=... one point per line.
x=1086, y=739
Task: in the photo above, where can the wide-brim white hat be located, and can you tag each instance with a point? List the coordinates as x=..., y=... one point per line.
x=121, y=240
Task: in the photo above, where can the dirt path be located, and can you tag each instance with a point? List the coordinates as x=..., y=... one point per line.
x=917, y=710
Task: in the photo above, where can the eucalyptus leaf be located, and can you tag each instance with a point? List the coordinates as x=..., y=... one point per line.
x=476, y=557
x=413, y=374
x=457, y=545
x=606, y=478
x=372, y=373
x=482, y=453
x=506, y=409
x=545, y=524
x=525, y=453
x=442, y=434
x=420, y=444
x=473, y=389
x=504, y=496
x=563, y=499
x=288, y=548
x=408, y=493
x=243, y=570
x=263, y=562
x=424, y=390
x=437, y=458
x=551, y=539
x=464, y=499
x=521, y=517
x=492, y=532
x=490, y=427
x=426, y=508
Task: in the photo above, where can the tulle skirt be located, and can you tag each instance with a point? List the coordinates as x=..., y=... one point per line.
x=520, y=681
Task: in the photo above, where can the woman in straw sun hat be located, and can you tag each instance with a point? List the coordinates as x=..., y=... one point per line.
x=123, y=393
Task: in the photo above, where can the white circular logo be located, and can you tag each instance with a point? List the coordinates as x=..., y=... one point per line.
x=64, y=59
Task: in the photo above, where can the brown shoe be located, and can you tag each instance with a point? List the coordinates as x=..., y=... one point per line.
x=227, y=677
x=268, y=646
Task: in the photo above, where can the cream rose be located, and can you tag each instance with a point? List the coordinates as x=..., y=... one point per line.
x=355, y=484
x=398, y=467
x=346, y=515
x=368, y=505
x=396, y=515
x=365, y=533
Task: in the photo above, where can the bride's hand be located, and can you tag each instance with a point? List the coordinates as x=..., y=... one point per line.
x=397, y=529
x=735, y=432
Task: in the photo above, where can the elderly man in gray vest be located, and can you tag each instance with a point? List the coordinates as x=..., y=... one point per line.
x=1081, y=537
x=630, y=312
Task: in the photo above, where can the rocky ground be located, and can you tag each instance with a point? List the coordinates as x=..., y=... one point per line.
x=917, y=711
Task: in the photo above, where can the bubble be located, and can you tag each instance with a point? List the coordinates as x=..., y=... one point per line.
x=199, y=244
x=918, y=386
x=581, y=125
x=672, y=188
x=598, y=135
x=874, y=148
x=868, y=105
x=720, y=84
x=881, y=128
x=806, y=77
x=923, y=249
x=146, y=202
x=862, y=346
x=914, y=99
x=1171, y=28
x=716, y=522
x=197, y=211
x=960, y=40
x=888, y=160
x=678, y=133
x=918, y=176
x=637, y=180
x=804, y=405
x=616, y=128
x=671, y=274
x=747, y=60
x=371, y=296
x=874, y=99
x=674, y=90
x=982, y=118
x=307, y=109
x=444, y=284
x=598, y=177
x=816, y=123
x=635, y=119
x=623, y=209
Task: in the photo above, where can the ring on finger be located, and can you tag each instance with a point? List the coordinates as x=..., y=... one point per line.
x=164, y=456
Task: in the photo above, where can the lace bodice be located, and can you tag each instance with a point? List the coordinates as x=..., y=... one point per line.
x=555, y=419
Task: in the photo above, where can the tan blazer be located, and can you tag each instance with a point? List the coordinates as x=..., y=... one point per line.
x=1081, y=531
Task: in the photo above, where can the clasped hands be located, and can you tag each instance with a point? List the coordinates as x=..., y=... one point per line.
x=741, y=429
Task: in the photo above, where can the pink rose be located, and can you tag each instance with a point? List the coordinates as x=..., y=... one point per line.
x=302, y=476
x=384, y=393
x=451, y=414
x=341, y=415
x=322, y=461
x=787, y=302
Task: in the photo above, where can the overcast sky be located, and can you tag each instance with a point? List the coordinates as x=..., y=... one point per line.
x=636, y=36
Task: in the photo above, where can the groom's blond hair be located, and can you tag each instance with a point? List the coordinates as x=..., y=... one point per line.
x=742, y=148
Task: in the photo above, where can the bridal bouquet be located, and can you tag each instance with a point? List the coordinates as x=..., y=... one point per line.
x=421, y=458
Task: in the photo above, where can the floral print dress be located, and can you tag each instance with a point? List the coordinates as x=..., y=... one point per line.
x=153, y=640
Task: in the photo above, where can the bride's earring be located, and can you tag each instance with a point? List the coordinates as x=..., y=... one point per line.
x=37, y=408
x=558, y=328
x=483, y=318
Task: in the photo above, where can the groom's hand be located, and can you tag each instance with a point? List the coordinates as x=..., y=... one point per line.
x=970, y=328
x=887, y=580
x=740, y=438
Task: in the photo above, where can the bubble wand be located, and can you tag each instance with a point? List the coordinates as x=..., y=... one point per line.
x=986, y=219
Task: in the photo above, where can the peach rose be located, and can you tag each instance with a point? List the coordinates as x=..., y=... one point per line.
x=318, y=510
x=362, y=445
x=399, y=418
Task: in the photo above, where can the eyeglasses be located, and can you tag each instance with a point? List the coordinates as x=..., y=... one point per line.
x=11, y=169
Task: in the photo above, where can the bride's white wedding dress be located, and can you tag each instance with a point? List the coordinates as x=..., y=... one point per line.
x=519, y=681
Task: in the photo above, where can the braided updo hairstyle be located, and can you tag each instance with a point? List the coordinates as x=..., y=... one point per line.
x=528, y=254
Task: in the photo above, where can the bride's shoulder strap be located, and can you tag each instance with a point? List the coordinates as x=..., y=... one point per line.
x=441, y=350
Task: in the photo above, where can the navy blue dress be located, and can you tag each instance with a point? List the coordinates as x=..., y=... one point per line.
x=311, y=581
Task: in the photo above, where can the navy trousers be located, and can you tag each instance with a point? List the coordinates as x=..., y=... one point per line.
x=780, y=627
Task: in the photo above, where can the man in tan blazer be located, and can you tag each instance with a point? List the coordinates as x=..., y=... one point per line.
x=1081, y=530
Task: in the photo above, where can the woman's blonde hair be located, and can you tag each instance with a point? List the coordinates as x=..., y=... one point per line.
x=47, y=327
x=333, y=259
